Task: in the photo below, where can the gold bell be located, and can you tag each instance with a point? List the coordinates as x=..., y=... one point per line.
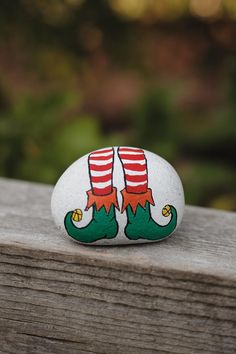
x=77, y=215
x=166, y=211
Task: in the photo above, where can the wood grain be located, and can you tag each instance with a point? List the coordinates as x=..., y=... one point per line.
x=176, y=296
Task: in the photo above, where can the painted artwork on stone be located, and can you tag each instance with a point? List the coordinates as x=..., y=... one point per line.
x=118, y=190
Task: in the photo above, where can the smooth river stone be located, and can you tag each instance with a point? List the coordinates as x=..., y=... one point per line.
x=118, y=195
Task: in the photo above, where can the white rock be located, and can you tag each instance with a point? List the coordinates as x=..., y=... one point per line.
x=119, y=195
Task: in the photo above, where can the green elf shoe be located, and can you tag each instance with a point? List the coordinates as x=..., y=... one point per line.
x=140, y=224
x=103, y=224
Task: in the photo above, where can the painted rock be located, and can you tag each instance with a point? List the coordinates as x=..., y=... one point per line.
x=118, y=195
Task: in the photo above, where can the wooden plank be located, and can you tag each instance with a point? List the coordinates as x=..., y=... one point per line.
x=176, y=296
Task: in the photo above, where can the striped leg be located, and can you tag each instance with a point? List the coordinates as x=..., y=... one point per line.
x=135, y=169
x=102, y=193
x=100, y=169
x=136, y=178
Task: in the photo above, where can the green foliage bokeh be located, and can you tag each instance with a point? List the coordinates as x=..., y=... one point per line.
x=76, y=76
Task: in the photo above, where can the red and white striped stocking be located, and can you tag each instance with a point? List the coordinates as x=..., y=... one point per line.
x=135, y=169
x=136, y=190
x=100, y=170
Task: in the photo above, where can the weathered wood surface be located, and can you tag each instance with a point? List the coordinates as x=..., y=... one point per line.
x=176, y=296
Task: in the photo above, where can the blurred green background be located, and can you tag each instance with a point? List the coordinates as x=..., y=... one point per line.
x=76, y=75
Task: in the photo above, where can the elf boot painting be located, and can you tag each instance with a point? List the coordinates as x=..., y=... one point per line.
x=118, y=195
